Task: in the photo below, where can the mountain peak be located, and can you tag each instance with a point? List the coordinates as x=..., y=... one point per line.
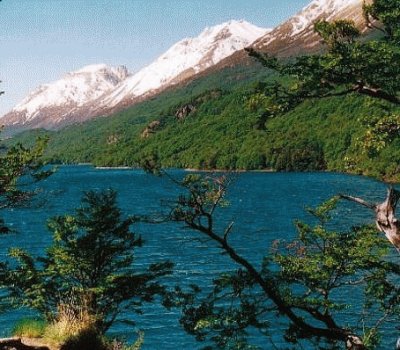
x=92, y=68
x=75, y=89
x=98, y=88
x=116, y=74
x=238, y=27
x=187, y=58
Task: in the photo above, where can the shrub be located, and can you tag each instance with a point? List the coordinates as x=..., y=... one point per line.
x=88, y=275
x=30, y=328
x=86, y=339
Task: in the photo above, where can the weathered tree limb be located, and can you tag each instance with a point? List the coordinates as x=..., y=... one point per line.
x=385, y=215
x=354, y=343
x=359, y=201
x=193, y=211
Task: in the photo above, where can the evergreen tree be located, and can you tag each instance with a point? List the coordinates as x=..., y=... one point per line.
x=89, y=268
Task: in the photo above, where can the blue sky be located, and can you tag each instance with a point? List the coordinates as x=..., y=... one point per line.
x=41, y=40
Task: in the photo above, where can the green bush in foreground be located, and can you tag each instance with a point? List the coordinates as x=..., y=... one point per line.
x=88, y=274
x=30, y=328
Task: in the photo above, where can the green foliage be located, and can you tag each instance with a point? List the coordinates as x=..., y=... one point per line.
x=386, y=12
x=381, y=131
x=323, y=264
x=315, y=135
x=250, y=125
x=302, y=281
x=19, y=167
x=336, y=33
x=88, y=271
x=237, y=138
x=30, y=328
x=90, y=339
x=349, y=65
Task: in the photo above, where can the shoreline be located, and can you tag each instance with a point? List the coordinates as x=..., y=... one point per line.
x=125, y=167
x=228, y=170
x=388, y=181
x=114, y=168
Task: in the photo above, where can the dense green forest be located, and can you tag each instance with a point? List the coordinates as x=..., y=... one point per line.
x=226, y=128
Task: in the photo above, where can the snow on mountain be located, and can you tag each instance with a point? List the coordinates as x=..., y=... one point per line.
x=100, y=90
x=187, y=58
x=297, y=34
x=64, y=101
x=318, y=8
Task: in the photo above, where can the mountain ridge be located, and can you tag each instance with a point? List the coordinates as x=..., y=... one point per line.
x=66, y=97
x=75, y=99
x=215, y=48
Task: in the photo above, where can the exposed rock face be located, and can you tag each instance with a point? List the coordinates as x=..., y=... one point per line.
x=183, y=112
x=297, y=35
x=17, y=344
x=150, y=129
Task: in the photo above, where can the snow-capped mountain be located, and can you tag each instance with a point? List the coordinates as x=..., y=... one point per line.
x=185, y=59
x=297, y=34
x=65, y=100
x=99, y=90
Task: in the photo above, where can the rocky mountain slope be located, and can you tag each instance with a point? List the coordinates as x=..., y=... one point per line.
x=297, y=35
x=185, y=59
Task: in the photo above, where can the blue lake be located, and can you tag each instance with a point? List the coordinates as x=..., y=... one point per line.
x=263, y=207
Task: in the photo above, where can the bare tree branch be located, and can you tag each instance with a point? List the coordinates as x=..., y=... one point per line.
x=359, y=201
x=385, y=215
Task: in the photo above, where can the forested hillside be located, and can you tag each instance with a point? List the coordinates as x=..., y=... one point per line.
x=218, y=122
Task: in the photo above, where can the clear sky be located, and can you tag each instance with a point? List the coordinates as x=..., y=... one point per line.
x=41, y=40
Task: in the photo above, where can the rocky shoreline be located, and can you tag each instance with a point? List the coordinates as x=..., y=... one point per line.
x=17, y=343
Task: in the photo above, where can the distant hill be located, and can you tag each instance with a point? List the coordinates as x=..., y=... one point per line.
x=209, y=124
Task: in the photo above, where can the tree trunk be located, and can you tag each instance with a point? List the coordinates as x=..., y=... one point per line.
x=385, y=215
x=354, y=343
x=386, y=220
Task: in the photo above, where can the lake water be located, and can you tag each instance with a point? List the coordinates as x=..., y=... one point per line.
x=262, y=205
